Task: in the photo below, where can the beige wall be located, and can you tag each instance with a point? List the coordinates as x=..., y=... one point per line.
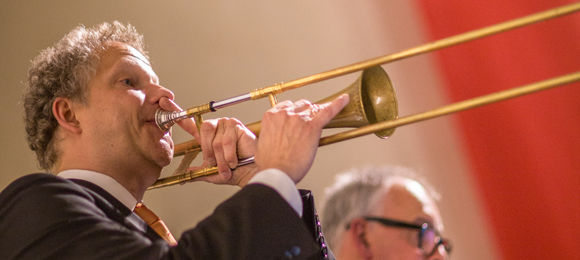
x=211, y=50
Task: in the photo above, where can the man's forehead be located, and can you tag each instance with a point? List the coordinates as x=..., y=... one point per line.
x=121, y=55
x=137, y=54
x=403, y=198
x=408, y=198
x=125, y=49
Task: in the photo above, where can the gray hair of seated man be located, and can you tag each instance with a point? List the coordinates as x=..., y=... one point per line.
x=355, y=193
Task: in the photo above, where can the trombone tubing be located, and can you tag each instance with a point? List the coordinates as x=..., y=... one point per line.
x=369, y=129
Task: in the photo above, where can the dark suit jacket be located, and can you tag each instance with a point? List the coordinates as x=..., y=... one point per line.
x=46, y=217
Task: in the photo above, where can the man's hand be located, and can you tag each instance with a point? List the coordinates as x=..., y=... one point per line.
x=290, y=134
x=223, y=141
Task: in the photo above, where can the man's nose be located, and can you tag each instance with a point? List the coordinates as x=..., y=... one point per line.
x=156, y=92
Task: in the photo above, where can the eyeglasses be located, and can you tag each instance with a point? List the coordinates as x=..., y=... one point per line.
x=429, y=238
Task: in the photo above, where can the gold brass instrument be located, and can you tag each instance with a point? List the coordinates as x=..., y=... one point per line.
x=166, y=119
x=372, y=100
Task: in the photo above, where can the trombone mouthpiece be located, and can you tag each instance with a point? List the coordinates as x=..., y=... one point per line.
x=165, y=119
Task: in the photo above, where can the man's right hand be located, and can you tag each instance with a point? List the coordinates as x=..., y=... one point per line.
x=290, y=134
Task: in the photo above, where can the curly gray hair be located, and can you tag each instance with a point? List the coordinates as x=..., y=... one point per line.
x=65, y=70
x=356, y=193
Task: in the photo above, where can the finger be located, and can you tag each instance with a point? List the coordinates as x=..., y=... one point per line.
x=314, y=110
x=327, y=111
x=218, y=149
x=187, y=124
x=301, y=105
x=168, y=104
x=208, y=131
x=207, y=178
x=283, y=105
x=230, y=141
x=306, y=110
x=309, y=112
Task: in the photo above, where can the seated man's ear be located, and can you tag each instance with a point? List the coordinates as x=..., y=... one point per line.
x=357, y=231
x=63, y=111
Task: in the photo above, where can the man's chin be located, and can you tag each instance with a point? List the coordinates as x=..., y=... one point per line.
x=162, y=160
x=167, y=156
x=164, y=163
x=164, y=154
x=167, y=143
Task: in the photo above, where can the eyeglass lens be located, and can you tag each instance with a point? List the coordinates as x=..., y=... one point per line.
x=431, y=242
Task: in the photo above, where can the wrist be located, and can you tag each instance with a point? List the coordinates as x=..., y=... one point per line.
x=248, y=176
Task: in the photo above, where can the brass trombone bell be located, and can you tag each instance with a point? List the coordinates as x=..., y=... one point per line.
x=372, y=100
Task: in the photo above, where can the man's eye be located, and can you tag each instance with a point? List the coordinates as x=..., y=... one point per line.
x=128, y=82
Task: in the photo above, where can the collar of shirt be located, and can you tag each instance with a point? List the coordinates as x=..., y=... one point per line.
x=104, y=181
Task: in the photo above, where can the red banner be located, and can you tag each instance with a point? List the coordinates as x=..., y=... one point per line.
x=524, y=152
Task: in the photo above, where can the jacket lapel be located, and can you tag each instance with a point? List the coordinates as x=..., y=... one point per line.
x=115, y=210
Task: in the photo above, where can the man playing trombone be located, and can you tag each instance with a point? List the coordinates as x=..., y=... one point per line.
x=89, y=114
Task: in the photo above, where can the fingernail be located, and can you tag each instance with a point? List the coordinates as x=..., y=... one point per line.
x=233, y=166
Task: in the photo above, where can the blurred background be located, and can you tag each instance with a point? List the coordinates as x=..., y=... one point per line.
x=507, y=173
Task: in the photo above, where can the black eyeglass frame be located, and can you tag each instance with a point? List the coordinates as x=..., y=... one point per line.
x=423, y=228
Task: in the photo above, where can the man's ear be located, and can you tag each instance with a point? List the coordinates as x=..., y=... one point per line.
x=358, y=233
x=64, y=112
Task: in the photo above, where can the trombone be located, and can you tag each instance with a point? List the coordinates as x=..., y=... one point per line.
x=383, y=125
